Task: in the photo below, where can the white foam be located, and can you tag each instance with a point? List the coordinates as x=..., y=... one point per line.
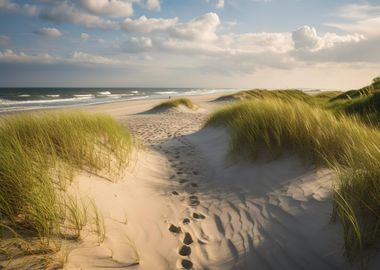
x=104, y=93
x=167, y=92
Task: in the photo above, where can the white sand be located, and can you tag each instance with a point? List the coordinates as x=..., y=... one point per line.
x=242, y=214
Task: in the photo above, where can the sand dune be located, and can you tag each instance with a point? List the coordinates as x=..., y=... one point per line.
x=186, y=205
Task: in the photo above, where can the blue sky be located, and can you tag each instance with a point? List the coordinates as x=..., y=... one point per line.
x=189, y=43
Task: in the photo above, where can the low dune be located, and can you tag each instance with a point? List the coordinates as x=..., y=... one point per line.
x=188, y=200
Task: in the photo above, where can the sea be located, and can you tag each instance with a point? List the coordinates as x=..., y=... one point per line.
x=23, y=99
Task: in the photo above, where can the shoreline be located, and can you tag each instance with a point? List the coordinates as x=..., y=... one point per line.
x=94, y=103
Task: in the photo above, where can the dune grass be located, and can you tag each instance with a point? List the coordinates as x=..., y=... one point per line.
x=39, y=155
x=175, y=103
x=342, y=143
x=288, y=94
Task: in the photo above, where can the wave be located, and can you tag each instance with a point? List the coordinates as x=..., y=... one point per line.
x=167, y=92
x=40, y=101
x=23, y=95
x=104, y=93
x=53, y=96
x=135, y=92
x=84, y=96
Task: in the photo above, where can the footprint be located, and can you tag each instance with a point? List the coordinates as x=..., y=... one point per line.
x=174, y=229
x=187, y=264
x=194, y=201
x=188, y=240
x=181, y=181
x=185, y=251
x=194, y=185
x=186, y=221
x=175, y=193
x=198, y=216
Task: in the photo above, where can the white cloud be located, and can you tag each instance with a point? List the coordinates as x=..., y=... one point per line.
x=147, y=25
x=143, y=42
x=49, y=32
x=113, y=8
x=356, y=11
x=10, y=56
x=153, y=5
x=86, y=58
x=202, y=28
x=68, y=13
x=220, y=4
x=8, y=5
x=77, y=58
x=137, y=44
x=364, y=19
x=257, y=42
x=84, y=36
x=306, y=38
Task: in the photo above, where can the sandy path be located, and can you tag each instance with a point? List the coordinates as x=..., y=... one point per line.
x=240, y=215
x=165, y=134
x=189, y=206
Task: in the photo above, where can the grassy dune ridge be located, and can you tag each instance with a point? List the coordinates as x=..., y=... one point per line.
x=39, y=155
x=263, y=93
x=343, y=143
x=175, y=103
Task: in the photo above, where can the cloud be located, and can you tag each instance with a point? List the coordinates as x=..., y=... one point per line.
x=138, y=44
x=220, y=4
x=9, y=56
x=68, y=13
x=257, y=42
x=9, y=6
x=201, y=28
x=364, y=19
x=86, y=58
x=356, y=11
x=84, y=36
x=48, y=32
x=153, y=5
x=306, y=38
x=112, y=8
x=5, y=41
x=76, y=58
x=146, y=25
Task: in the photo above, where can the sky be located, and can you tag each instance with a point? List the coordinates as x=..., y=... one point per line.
x=327, y=44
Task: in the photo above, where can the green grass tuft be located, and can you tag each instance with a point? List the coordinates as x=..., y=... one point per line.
x=288, y=94
x=39, y=154
x=175, y=103
x=341, y=142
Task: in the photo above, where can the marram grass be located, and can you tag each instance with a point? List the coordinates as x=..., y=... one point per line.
x=175, y=103
x=343, y=143
x=39, y=154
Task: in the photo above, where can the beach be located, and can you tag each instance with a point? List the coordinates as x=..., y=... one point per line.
x=183, y=192
x=184, y=203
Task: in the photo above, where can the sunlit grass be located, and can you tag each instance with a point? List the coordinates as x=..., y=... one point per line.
x=175, y=103
x=39, y=155
x=340, y=142
x=289, y=94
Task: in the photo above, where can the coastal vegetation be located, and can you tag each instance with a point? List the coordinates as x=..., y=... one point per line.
x=40, y=154
x=175, y=103
x=328, y=135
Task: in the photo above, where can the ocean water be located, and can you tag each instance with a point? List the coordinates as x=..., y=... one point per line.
x=21, y=99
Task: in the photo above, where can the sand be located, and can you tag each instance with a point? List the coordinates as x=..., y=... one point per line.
x=184, y=204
